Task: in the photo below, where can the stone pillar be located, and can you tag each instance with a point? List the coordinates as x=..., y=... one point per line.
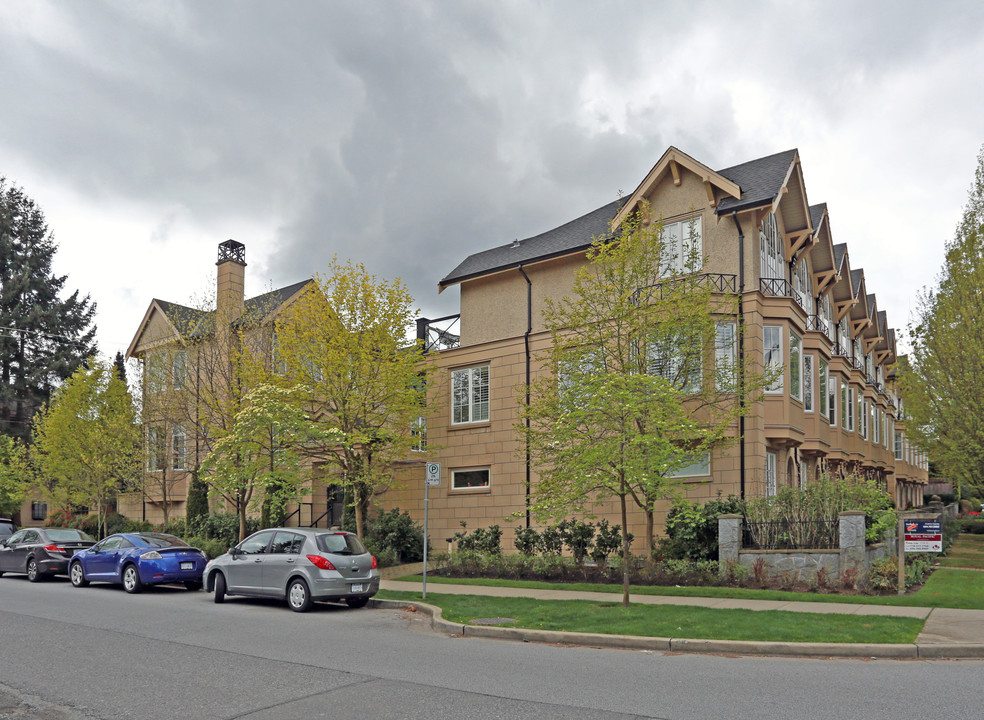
x=729, y=542
x=852, y=555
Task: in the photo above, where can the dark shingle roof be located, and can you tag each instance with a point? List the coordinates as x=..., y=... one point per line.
x=193, y=324
x=882, y=321
x=816, y=215
x=871, y=304
x=856, y=277
x=570, y=237
x=760, y=181
x=840, y=250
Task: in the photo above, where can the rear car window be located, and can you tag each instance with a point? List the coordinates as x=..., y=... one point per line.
x=163, y=541
x=67, y=535
x=341, y=544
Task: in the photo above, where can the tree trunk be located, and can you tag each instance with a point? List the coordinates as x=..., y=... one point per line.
x=650, y=534
x=625, y=548
x=242, y=520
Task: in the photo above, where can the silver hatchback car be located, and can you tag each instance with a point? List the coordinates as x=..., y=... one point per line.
x=300, y=565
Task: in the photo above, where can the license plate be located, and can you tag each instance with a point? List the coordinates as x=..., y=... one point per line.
x=187, y=566
x=357, y=588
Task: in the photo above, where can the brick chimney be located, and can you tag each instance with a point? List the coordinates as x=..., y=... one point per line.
x=231, y=290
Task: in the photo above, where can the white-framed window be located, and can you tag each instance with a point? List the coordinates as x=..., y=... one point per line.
x=471, y=479
x=795, y=366
x=823, y=384
x=682, y=247
x=772, y=248
x=700, y=466
x=179, y=369
x=677, y=360
x=832, y=400
x=898, y=444
x=858, y=355
x=827, y=314
x=844, y=337
x=725, y=355
x=470, y=395
x=772, y=351
x=802, y=475
x=807, y=382
x=803, y=286
x=418, y=434
x=770, y=473
x=178, y=447
x=155, y=448
x=852, y=404
x=862, y=416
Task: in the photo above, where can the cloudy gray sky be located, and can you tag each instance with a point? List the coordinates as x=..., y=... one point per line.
x=407, y=135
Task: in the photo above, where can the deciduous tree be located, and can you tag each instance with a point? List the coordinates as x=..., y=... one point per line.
x=640, y=381
x=87, y=442
x=14, y=475
x=942, y=378
x=344, y=346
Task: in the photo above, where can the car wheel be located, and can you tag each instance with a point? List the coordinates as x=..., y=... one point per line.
x=77, y=575
x=193, y=585
x=131, y=579
x=358, y=602
x=220, y=588
x=33, y=574
x=298, y=595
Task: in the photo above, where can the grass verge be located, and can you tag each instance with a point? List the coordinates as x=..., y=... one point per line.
x=947, y=587
x=672, y=621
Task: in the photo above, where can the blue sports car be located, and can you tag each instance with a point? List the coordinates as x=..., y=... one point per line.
x=138, y=559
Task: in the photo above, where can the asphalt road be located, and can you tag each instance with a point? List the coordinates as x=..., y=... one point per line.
x=168, y=653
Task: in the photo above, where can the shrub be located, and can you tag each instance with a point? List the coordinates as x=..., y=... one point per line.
x=211, y=548
x=221, y=526
x=608, y=541
x=578, y=536
x=527, y=540
x=395, y=533
x=692, y=529
x=551, y=541
x=482, y=540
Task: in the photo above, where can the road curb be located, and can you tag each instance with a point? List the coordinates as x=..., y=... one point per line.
x=955, y=651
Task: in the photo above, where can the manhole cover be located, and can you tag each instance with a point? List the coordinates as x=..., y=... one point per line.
x=492, y=621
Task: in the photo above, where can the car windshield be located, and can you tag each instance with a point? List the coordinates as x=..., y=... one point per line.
x=340, y=544
x=162, y=541
x=67, y=535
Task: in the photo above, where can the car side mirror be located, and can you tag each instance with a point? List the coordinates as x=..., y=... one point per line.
x=233, y=551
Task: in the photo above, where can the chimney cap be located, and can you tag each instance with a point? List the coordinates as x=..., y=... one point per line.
x=232, y=250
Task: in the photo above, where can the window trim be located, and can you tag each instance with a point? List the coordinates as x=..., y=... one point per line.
x=487, y=487
x=795, y=366
x=779, y=385
x=471, y=389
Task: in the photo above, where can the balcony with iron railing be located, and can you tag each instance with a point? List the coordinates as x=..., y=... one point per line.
x=816, y=323
x=438, y=334
x=778, y=287
x=715, y=282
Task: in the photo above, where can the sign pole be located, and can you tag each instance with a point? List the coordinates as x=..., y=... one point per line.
x=901, y=547
x=426, y=503
x=432, y=476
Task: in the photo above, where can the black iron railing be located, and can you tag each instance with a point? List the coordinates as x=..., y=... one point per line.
x=791, y=535
x=841, y=350
x=715, y=282
x=776, y=287
x=816, y=323
x=440, y=333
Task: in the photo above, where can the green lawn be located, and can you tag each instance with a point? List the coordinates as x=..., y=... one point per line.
x=966, y=552
x=948, y=586
x=672, y=621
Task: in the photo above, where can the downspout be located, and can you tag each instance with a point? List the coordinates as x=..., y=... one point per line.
x=526, y=347
x=741, y=352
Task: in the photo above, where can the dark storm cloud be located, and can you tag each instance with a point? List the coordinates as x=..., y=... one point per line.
x=408, y=135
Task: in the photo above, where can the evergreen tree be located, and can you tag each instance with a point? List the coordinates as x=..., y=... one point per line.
x=120, y=364
x=43, y=338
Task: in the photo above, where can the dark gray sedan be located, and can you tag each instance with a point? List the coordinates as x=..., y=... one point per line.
x=39, y=552
x=300, y=565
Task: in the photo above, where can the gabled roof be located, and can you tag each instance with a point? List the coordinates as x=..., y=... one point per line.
x=840, y=252
x=193, y=324
x=751, y=184
x=817, y=215
x=760, y=181
x=857, y=280
x=576, y=235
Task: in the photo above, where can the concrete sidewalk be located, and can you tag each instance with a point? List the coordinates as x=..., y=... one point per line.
x=947, y=633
